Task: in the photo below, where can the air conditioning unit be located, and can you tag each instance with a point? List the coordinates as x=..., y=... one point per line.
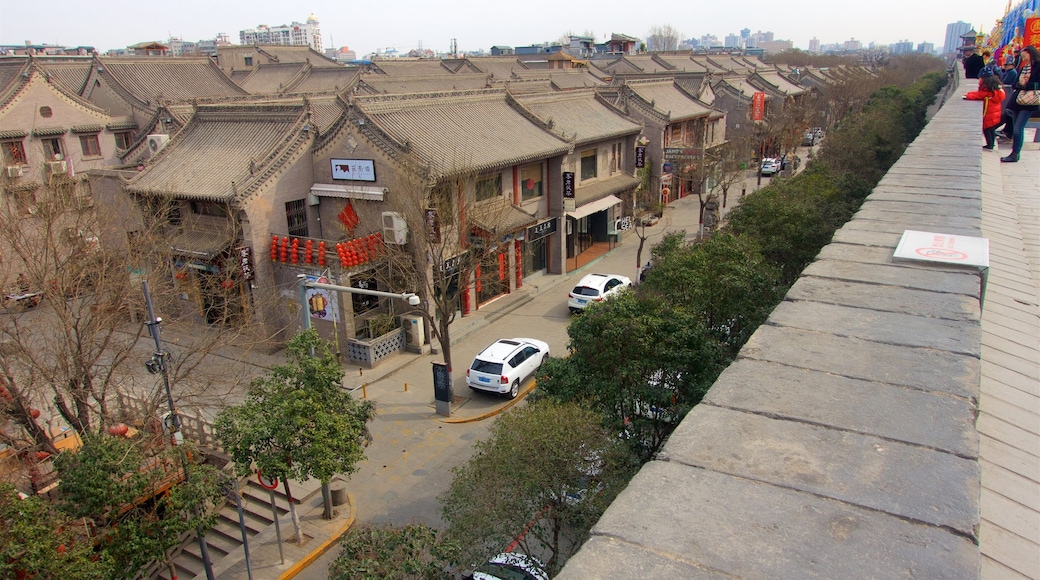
x=157, y=141
x=54, y=167
x=15, y=171
x=395, y=229
x=414, y=330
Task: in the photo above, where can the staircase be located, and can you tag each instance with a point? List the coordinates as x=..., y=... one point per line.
x=225, y=537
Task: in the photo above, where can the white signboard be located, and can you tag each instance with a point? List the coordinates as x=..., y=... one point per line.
x=943, y=248
x=354, y=169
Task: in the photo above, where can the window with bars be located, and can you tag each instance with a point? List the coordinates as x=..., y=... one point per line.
x=296, y=216
x=14, y=153
x=489, y=187
x=90, y=145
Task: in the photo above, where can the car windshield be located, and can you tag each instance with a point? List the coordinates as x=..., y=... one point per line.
x=585, y=291
x=483, y=366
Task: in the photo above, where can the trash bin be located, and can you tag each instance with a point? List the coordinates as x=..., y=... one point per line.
x=339, y=494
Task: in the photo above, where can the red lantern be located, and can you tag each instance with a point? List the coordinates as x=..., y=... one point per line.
x=321, y=253
x=309, y=247
x=284, y=253
x=41, y=455
x=118, y=429
x=228, y=284
x=35, y=413
x=529, y=184
x=274, y=248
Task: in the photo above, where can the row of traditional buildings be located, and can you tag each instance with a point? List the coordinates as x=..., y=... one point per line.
x=277, y=161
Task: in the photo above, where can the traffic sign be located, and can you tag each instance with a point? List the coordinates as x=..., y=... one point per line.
x=267, y=483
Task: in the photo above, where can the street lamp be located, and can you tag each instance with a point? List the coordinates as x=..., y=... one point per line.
x=155, y=365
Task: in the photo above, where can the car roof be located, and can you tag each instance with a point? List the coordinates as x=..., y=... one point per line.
x=503, y=348
x=598, y=280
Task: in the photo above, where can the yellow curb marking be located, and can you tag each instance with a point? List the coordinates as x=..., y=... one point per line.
x=324, y=547
x=519, y=396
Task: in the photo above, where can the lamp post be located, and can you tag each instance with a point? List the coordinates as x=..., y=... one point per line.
x=304, y=284
x=156, y=365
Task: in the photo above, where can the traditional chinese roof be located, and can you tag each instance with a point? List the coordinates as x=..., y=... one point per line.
x=147, y=79
x=326, y=79
x=226, y=152
x=500, y=68
x=414, y=67
x=70, y=72
x=497, y=216
x=271, y=79
x=563, y=80
x=782, y=84
x=458, y=130
x=681, y=63
x=665, y=97
x=378, y=84
x=579, y=115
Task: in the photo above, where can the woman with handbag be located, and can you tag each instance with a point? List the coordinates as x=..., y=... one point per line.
x=1026, y=100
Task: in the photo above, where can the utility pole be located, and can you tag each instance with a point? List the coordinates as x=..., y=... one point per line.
x=158, y=364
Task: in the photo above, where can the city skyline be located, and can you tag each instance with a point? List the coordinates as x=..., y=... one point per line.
x=474, y=28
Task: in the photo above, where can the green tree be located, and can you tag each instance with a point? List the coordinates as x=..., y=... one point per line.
x=297, y=421
x=639, y=359
x=139, y=504
x=42, y=540
x=723, y=281
x=372, y=553
x=545, y=474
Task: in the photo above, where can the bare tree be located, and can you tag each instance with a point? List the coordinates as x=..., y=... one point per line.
x=644, y=206
x=662, y=38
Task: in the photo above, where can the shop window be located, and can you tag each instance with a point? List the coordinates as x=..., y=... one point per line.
x=123, y=140
x=296, y=216
x=531, y=181
x=588, y=164
x=90, y=145
x=14, y=153
x=489, y=187
x=53, y=150
x=363, y=303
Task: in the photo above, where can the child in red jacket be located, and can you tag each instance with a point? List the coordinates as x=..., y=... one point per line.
x=991, y=93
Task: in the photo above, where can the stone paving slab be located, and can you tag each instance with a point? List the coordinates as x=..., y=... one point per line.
x=926, y=369
x=882, y=207
x=896, y=413
x=868, y=238
x=1009, y=515
x=1009, y=457
x=1009, y=549
x=629, y=561
x=907, y=481
x=965, y=283
x=880, y=255
x=893, y=328
x=885, y=298
x=937, y=183
x=919, y=221
x=1002, y=430
x=1021, y=490
x=936, y=201
x=751, y=529
x=1005, y=344
x=884, y=227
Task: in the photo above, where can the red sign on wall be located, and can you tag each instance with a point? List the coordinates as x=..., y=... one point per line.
x=1031, y=36
x=758, y=107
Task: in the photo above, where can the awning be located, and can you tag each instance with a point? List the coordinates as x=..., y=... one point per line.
x=49, y=131
x=86, y=128
x=200, y=244
x=348, y=191
x=593, y=207
x=498, y=216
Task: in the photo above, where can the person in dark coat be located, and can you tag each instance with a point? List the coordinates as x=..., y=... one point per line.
x=973, y=63
x=1007, y=79
x=1028, y=80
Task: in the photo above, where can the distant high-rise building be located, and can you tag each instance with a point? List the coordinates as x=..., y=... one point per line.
x=852, y=44
x=733, y=41
x=295, y=34
x=954, y=31
x=901, y=47
x=814, y=44
x=745, y=33
x=926, y=48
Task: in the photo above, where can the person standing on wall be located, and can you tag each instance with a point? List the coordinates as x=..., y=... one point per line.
x=1008, y=77
x=991, y=93
x=973, y=63
x=1022, y=107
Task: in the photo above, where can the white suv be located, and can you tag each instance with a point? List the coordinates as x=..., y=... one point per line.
x=505, y=364
x=594, y=288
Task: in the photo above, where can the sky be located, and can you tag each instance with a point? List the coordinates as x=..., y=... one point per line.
x=479, y=24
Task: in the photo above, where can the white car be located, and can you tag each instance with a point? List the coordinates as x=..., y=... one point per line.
x=506, y=364
x=511, y=566
x=770, y=166
x=595, y=288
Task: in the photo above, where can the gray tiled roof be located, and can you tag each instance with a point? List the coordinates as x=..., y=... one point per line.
x=224, y=150
x=500, y=67
x=498, y=216
x=667, y=98
x=326, y=79
x=269, y=79
x=781, y=83
x=579, y=114
x=461, y=130
x=147, y=78
x=563, y=79
x=601, y=188
x=683, y=63
x=71, y=72
x=11, y=70
x=413, y=68
x=375, y=84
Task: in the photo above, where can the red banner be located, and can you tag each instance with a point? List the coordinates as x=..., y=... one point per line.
x=1031, y=36
x=758, y=107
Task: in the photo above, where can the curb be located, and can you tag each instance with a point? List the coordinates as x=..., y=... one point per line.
x=483, y=416
x=324, y=547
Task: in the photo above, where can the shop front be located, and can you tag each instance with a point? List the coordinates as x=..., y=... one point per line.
x=588, y=228
x=207, y=273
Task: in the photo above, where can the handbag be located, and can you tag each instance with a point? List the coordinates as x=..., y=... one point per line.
x=1028, y=97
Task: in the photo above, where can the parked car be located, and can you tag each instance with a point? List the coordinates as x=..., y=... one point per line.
x=595, y=288
x=506, y=364
x=511, y=566
x=769, y=166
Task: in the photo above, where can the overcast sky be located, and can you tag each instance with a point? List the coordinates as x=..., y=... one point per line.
x=479, y=24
